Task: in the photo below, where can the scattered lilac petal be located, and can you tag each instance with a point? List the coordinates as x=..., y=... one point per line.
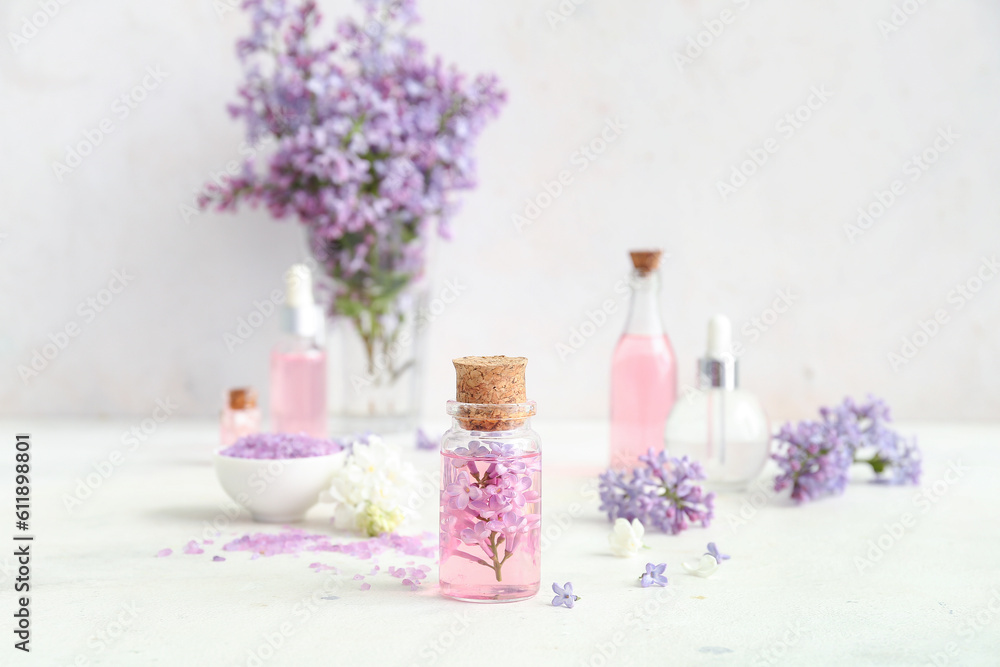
x=218, y=559
x=192, y=548
x=425, y=441
x=164, y=552
x=366, y=586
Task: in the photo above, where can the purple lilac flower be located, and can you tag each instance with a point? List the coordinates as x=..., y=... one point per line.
x=662, y=493
x=814, y=461
x=369, y=140
x=463, y=491
x=715, y=553
x=815, y=456
x=425, y=441
x=489, y=503
x=280, y=446
x=564, y=595
x=897, y=461
x=192, y=548
x=654, y=575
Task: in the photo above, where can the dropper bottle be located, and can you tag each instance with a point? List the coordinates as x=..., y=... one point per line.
x=298, y=362
x=718, y=424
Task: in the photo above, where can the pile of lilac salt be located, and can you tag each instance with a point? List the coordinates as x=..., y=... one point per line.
x=280, y=446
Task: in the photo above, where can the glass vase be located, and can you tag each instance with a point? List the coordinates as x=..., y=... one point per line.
x=376, y=367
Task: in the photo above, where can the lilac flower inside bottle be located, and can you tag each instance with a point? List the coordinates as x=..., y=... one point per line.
x=490, y=532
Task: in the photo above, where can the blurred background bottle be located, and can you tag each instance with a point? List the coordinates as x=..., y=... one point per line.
x=298, y=362
x=240, y=416
x=718, y=424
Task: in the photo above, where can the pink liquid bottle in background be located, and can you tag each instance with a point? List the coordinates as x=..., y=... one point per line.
x=298, y=362
x=491, y=494
x=241, y=416
x=643, y=370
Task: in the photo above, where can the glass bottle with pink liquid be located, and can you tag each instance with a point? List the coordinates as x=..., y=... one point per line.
x=491, y=474
x=643, y=370
x=241, y=416
x=298, y=362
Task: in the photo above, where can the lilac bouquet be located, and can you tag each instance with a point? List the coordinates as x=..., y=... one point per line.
x=662, y=492
x=816, y=456
x=371, y=137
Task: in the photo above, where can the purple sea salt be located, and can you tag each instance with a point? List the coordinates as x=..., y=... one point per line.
x=296, y=540
x=280, y=446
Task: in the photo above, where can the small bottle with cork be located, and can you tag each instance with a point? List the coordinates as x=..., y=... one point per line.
x=491, y=472
x=240, y=416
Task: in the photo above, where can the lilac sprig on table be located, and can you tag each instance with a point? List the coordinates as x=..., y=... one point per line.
x=369, y=138
x=661, y=492
x=815, y=457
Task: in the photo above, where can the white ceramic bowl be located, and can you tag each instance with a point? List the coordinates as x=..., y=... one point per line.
x=275, y=490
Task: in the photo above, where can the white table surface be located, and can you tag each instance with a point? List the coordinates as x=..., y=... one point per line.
x=791, y=594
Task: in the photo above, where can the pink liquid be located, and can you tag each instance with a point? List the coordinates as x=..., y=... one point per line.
x=505, y=564
x=298, y=392
x=643, y=390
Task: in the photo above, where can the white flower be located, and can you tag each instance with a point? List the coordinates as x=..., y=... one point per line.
x=704, y=568
x=626, y=538
x=370, y=487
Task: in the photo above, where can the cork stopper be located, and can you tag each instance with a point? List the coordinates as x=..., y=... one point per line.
x=486, y=381
x=645, y=261
x=242, y=398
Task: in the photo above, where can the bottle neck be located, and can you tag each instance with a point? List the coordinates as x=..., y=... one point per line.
x=644, y=307
x=515, y=429
x=304, y=323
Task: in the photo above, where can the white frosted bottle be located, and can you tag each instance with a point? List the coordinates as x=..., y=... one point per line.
x=718, y=424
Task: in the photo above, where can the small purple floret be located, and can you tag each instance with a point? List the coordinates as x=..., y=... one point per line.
x=714, y=552
x=564, y=595
x=653, y=576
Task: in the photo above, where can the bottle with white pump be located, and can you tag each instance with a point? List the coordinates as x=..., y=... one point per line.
x=718, y=424
x=298, y=362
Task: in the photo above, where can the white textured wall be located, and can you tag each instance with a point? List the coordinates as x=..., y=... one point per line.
x=656, y=184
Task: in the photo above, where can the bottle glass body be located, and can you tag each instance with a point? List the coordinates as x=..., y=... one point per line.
x=237, y=423
x=643, y=377
x=298, y=386
x=725, y=430
x=490, y=508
